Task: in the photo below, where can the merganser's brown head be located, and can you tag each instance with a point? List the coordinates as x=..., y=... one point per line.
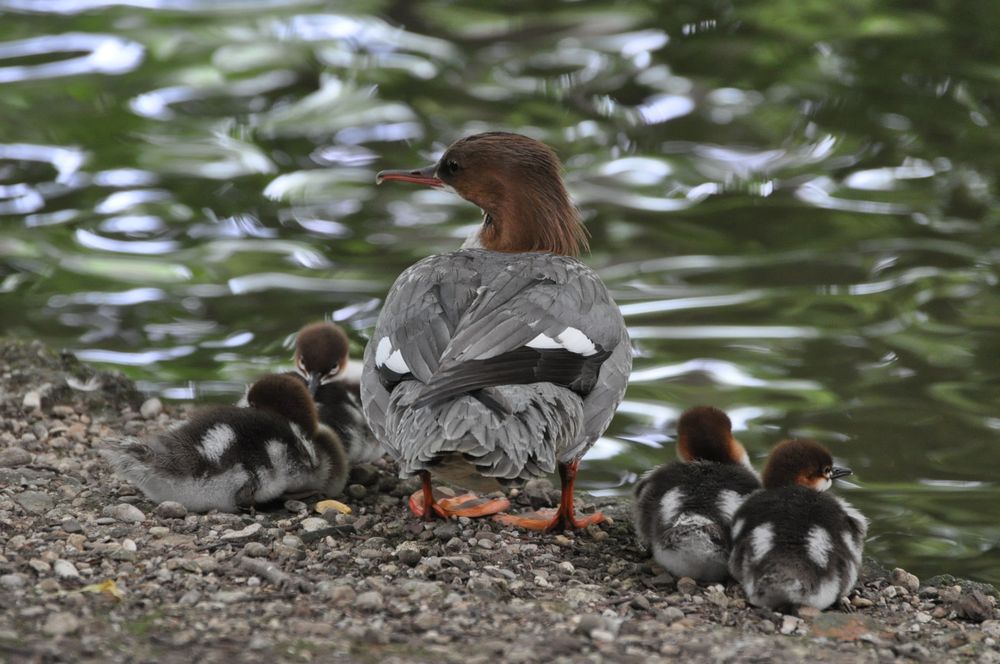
x=321, y=351
x=285, y=396
x=802, y=462
x=705, y=433
x=516, y=181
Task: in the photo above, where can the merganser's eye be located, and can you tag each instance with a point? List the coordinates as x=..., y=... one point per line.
x=452, y=167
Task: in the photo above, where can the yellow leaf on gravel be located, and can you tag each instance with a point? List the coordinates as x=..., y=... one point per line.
x=325, y=505
x=109, y=588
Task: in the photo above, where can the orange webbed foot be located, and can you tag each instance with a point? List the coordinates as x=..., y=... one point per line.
x=548, y=520
x=446, y=505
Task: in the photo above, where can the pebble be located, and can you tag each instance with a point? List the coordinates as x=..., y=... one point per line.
x=12, y=457
x=246, y=533
x=151, y=408
x=767, y=626
x=370, y=601
x=35, y=502
x=13, y=581
x=974, y=605
x=60, y=623
x=313, y=523
x=32, y=400
x=901, y=577
x=860, y=602
x=566, y=567
x=640, y=602
x=686, y=585
x=408, y=554
x=671, y=614
x=296, y=506
x=124, y=512
x=169, y=509
x=255, y=550
x=71, y=526
x=991, y=628
x=65, y=569
x=357, y=491
x=789, y=624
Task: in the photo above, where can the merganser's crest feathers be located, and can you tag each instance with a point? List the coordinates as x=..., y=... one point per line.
x=517, y=183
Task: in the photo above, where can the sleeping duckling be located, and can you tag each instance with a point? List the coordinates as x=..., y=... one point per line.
x=227, y=458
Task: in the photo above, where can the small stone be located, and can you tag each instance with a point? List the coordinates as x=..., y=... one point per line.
x=974, y=606
x=562, y=540
x=32, y=400
x=588, y=623
x=150, y=408
x=13, y=581
x=34, y=502
x=671, y=614
x=60, y=623
x=789, y=624
x=296, y=506
x=369, y=601
x=314, y=523
x=65, y=569
x=408, y=554
x=12, y=457
x=255, y=550
x=447, y=530
x=860, y=602
x=889, y=592
x=991, y=628
x=357, y=491
x=71, y=526
x=169, y=509
x=767, y=626
x=686, y=585
x=566, y=567
x=602, y=635
x=485, y=544
x=640, y=602
x=124, y=512
x=243, y=534
x=900, y=577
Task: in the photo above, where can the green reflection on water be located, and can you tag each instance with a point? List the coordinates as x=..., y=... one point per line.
x=795, y=202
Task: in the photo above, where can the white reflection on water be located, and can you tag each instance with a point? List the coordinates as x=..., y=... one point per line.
x=120, y=201
x=255, y=283
x=886, y=179
x=103, y=54
x=140, y=358
x=817, y=192
x=20, y=199
x=92, y=240
x=119, y=299
x=66, y=161
x=953, y=485
x=721, y=372
x=681, y=303
x=605, y=448
x=125, y=177
x=723, y=332
x=79, y=6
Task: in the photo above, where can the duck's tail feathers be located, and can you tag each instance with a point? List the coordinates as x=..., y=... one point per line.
x=131, y=458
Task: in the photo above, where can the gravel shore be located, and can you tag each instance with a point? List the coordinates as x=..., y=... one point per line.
x=91, y=571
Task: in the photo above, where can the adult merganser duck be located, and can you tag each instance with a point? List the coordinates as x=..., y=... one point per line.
x=322, y=360
x=503, y=360
x=794, y=546
x=683, y=510
x=227, y=457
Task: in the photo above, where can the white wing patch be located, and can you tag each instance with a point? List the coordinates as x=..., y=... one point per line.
x=761, y=541
x=307, y=445
x=819, y=545
x=385, y=356
x=860, y=521
x=570, y=339
x=670, y=505
x=729, y=501
x=216, y=441
x=738, y=527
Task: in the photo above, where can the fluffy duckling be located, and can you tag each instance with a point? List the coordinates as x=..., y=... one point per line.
x=793, y=545
x=321, y=360
x=683, y=510
x=227, y=457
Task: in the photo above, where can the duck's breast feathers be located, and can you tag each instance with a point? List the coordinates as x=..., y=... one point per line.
x=474, y=318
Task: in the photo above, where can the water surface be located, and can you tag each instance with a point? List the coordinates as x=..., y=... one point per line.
x=794, y=203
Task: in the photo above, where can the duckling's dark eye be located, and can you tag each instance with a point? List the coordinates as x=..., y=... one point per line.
x=827, y=471
x=451, y=167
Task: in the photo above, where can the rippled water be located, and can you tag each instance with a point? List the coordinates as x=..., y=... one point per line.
x=795, y=204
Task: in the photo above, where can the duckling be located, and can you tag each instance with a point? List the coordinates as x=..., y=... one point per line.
x=228, y=458
x=683, y=510
x=793, y=545
x=321, y=360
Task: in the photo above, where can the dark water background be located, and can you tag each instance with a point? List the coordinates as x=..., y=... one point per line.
x=794, y=202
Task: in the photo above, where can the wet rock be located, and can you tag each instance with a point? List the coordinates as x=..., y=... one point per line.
x=124, y=512
x=13, y=457
x=151, y=408
x=34, y=502
x=169, y=509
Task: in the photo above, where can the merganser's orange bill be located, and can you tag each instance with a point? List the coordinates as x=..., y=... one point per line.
x=424, y=176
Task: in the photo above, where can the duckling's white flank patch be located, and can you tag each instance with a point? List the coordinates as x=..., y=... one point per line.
x=385, y=356
x=860, y=519
x=216, y=441
x=729, y=501
x=306, y=443
x=670, y=505
x=819, y=546
x=738, y=528
x=762, y=540
x=570, y=339
x=853, y=545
